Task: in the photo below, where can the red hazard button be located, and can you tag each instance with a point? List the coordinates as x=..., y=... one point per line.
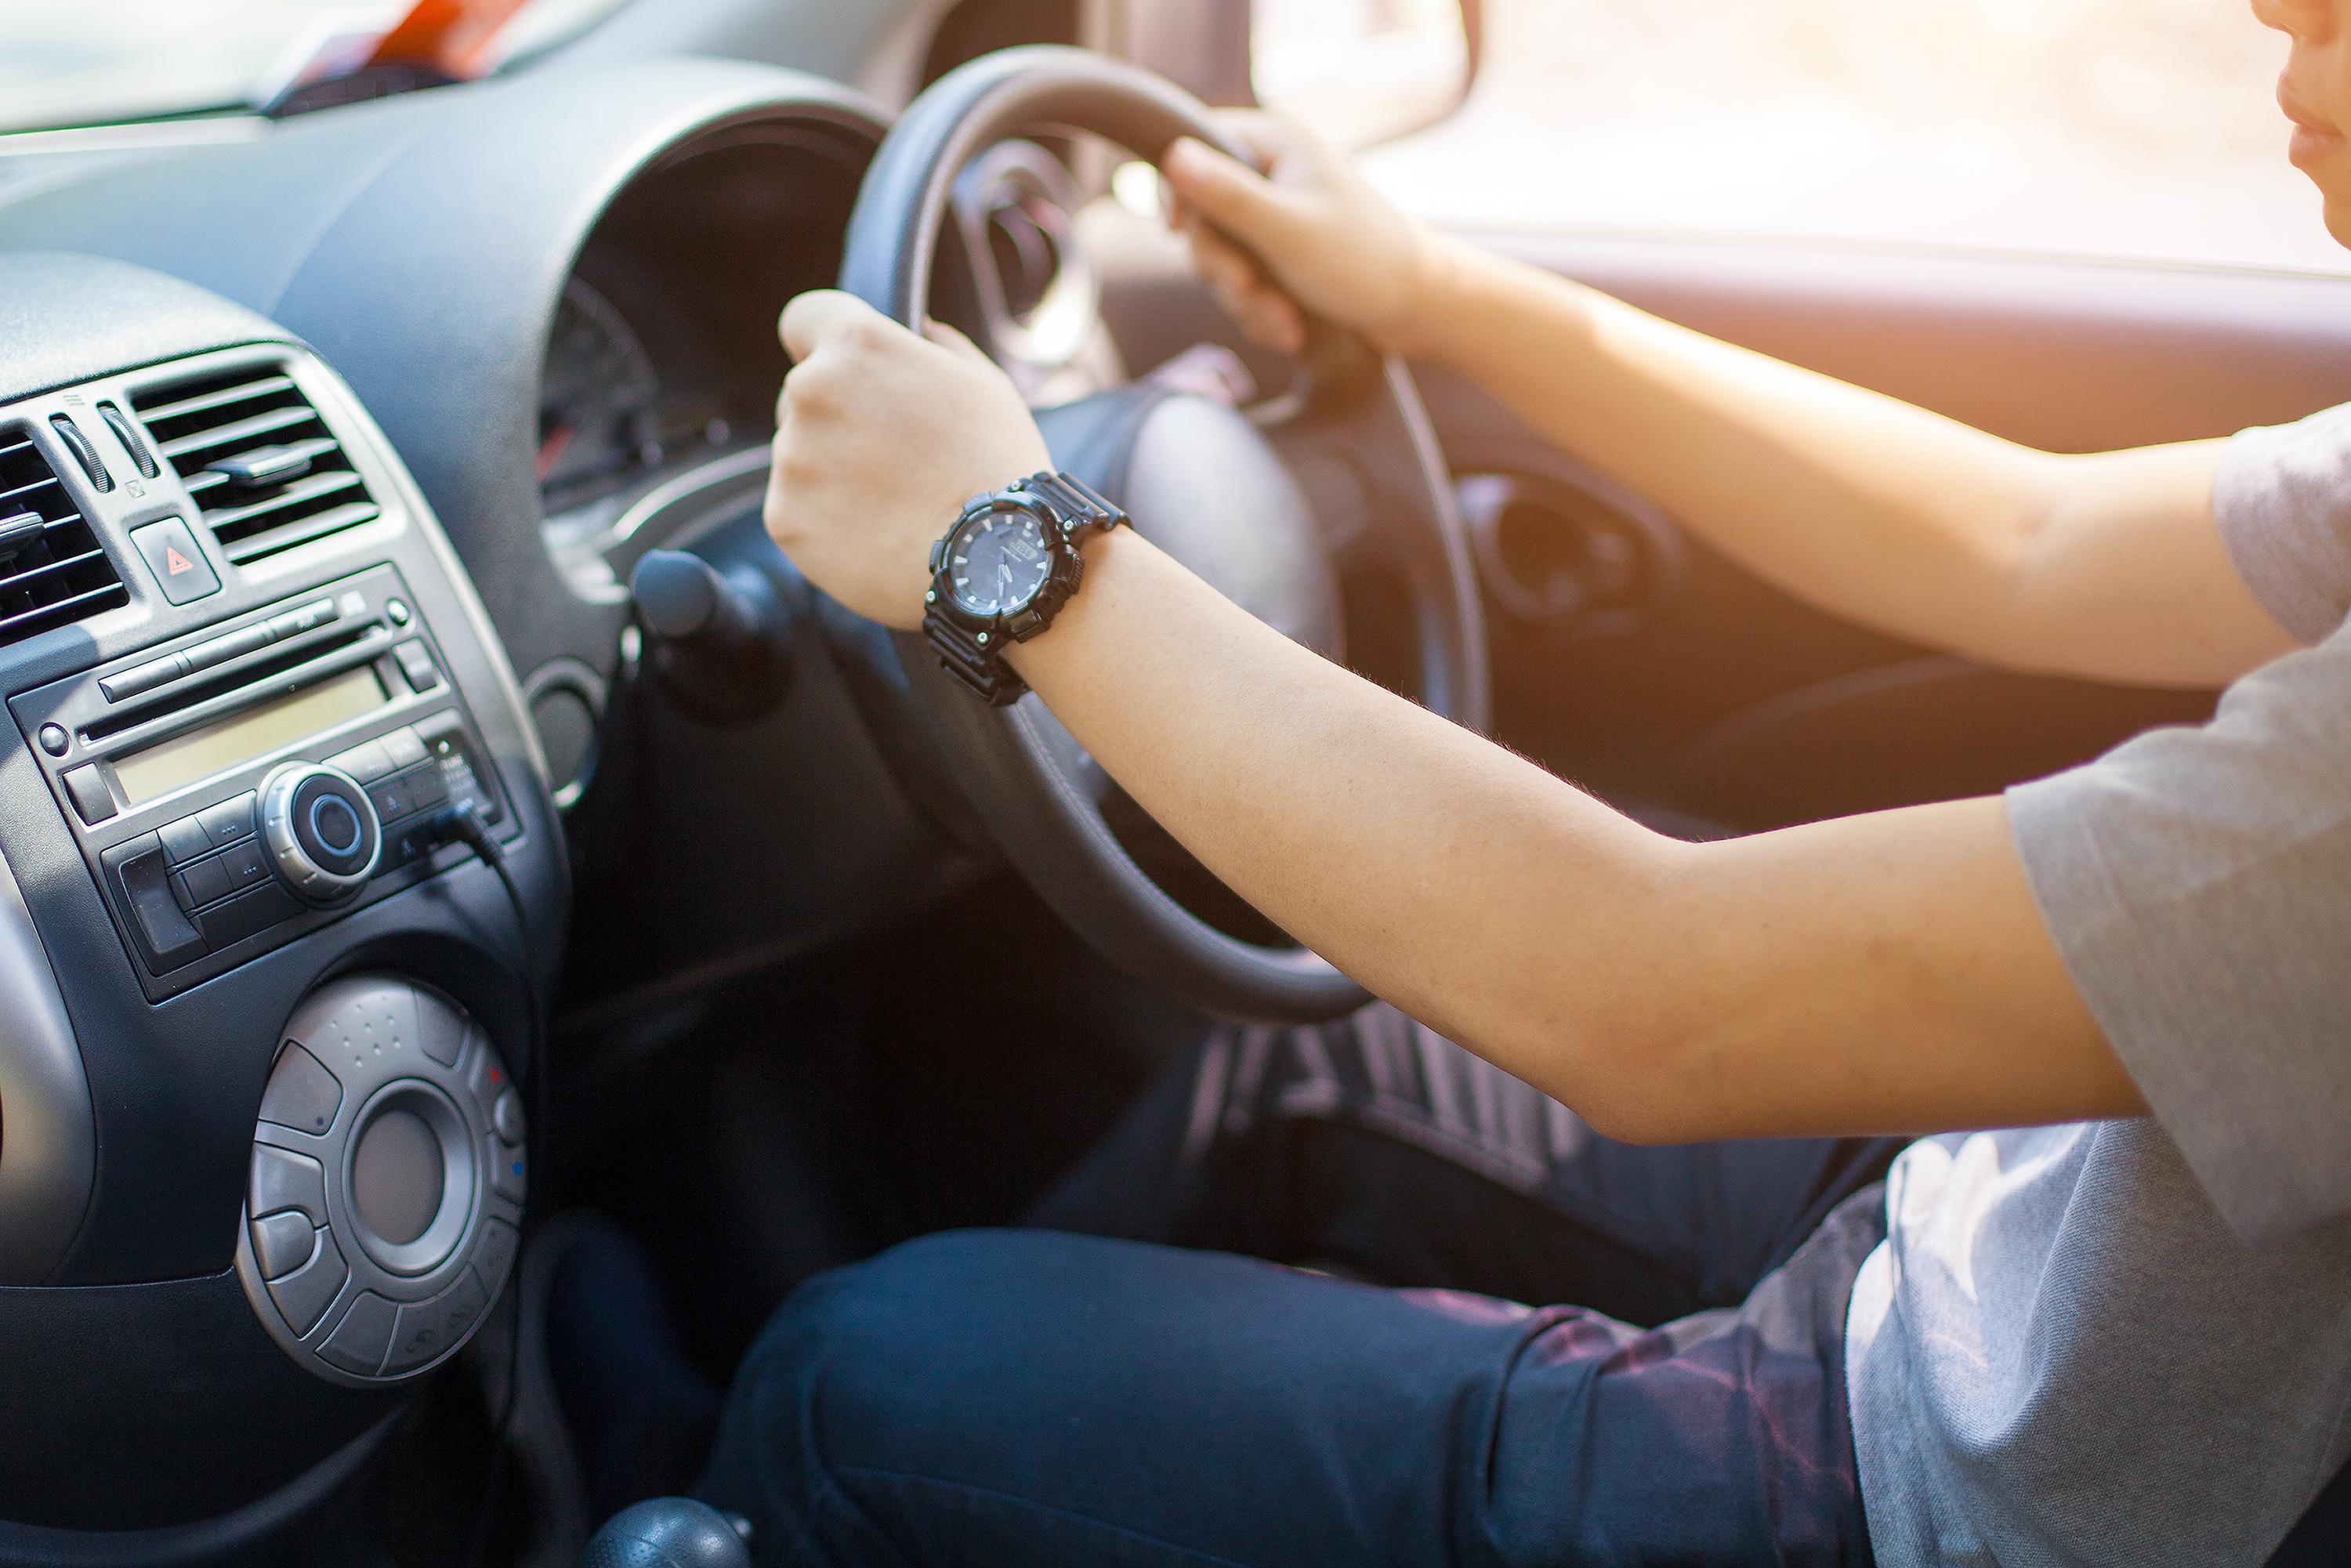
x=178, y=562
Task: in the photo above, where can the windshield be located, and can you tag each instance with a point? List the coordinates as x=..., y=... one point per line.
x=95, y=62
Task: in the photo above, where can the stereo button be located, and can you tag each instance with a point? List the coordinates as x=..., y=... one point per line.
x=494, y=1252
x=283, y=1243
x=505, y=1117
x=235, y=645
x=324, y=837
x=302, y=1095
x=404, y=746
x=439, y=1029
x=413, y=841
x=143, y=677
x=390, y=798
x=91, y=798
x=247, y=915
x=244, y=866
x=427, y=788
x=284, y=1180
x=366, y=762
x=303, y=1295
x=427, y=1329
x=230, y=821
x=309, y=618
x=207, y=882
x=184, y=840
x=357, y=1343
x=416, y=663
x=505, y=1172
x=145, y=880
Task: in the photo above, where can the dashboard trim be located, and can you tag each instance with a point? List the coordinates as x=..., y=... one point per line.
x=586, y=560
x=48, y=1138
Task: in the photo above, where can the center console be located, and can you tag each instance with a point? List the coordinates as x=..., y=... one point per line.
x=263, y=1153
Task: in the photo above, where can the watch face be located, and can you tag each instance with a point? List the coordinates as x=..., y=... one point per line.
x=996, y=563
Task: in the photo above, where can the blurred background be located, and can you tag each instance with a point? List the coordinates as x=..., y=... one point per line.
x=2136, y=128
x=2144, y=129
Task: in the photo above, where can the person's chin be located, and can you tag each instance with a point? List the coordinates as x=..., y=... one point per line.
x=2326, y=161
x=2336, y=213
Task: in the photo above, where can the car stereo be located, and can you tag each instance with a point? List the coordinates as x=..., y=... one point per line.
x=236, y=787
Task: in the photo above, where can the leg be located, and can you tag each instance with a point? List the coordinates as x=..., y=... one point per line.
x=1375, y=1143
x=994, y=1397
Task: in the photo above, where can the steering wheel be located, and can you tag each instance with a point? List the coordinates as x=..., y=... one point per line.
x=1236, y=496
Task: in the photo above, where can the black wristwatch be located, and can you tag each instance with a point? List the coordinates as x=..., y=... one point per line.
x=1004, y=572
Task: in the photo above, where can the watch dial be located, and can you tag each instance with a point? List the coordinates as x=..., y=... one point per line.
x=997, y=562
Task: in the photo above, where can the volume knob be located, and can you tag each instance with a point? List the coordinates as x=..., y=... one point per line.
x=322, y=832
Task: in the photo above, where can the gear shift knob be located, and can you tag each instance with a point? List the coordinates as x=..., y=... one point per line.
x=669, y=1532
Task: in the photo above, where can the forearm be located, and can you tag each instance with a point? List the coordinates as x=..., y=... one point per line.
x=2109, y=567
x=1791, y=983
x=1381, y=836
x=1874, y=509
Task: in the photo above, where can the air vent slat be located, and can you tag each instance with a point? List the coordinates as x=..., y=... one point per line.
x=292, y=494
x=303, y=532
x=265, y=470
x=55, y=576
x=204, y=403
x=88, y=603
x=28, y=489
x=243, y=430
x=34, y=574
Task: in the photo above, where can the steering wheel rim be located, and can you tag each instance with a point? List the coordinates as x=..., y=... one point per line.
x=1016, y=767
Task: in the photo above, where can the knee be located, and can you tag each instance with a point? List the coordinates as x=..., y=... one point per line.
x=868, y=1340
x=851, y=1358
x=855, y=1315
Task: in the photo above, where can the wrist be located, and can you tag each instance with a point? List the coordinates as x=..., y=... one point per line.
x=1432, y=270
x=1108, y=555
x=1003, y=574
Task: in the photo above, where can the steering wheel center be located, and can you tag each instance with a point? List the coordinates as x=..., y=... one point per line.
x=1205, y=485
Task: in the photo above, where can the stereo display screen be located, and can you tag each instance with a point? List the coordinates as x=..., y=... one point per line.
x=255, y=733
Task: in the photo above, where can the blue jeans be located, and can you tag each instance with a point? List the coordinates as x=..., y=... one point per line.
x=1125, y=1389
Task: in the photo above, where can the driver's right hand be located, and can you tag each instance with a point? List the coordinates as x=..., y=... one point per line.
x=1307, y=236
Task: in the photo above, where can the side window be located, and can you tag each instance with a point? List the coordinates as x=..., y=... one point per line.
x=2144, y=129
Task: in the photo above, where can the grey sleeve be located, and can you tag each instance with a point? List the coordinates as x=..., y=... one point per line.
x=2282, y=495
x=2197, y=883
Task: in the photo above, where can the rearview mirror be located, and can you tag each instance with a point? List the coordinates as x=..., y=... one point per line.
x=1363, y=71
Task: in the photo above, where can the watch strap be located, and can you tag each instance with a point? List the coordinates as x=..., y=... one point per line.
x=978, y=666
x=1075, y=501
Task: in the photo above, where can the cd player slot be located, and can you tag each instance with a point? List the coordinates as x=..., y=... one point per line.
x=284, y=667
x=227, y=648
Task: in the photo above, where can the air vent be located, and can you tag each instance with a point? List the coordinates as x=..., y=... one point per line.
x=261, y=463
x=52, y=570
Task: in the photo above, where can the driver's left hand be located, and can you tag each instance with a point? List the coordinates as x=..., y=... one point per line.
x=881, y=437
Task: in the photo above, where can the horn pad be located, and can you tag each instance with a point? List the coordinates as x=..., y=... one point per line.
x=1200, y=481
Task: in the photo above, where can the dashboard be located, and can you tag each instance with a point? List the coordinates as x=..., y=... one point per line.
x=381, y=448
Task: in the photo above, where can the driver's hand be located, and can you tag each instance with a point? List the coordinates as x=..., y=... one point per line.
x=1311, y=232
x=881, y=436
